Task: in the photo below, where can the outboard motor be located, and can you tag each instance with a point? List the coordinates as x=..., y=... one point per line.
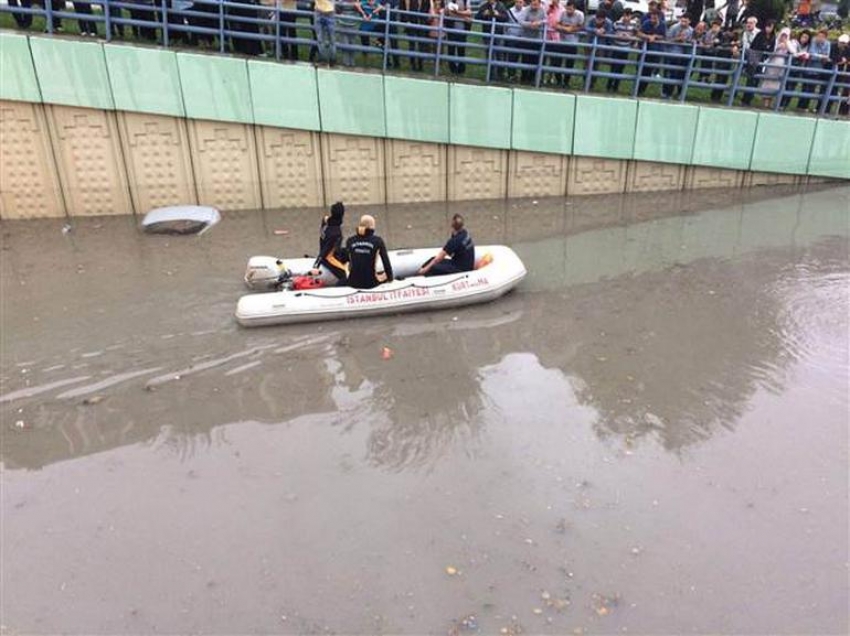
x=266, y=273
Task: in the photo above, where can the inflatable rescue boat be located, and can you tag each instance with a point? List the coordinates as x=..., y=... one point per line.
x=498, y=270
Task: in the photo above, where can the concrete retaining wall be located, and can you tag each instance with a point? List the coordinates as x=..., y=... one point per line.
x=91, y=128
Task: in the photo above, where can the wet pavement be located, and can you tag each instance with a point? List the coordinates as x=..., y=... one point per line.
x=649, y=436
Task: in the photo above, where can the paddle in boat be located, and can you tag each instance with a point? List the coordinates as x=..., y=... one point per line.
x=293, y=298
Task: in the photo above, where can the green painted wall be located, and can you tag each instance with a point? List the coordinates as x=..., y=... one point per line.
x=216, y=87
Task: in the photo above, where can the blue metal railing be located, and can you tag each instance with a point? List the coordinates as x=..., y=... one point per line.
x=450, y=45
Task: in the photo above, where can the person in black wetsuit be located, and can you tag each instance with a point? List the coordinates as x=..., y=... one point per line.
x=330, y=243
x=459, y=248
x=362, y=252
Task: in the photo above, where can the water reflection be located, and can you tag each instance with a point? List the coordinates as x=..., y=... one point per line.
x=663, y=328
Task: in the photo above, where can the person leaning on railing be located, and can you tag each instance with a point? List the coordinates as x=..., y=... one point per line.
x=819, y=51
x=325, y=22
x=624, y=39
x=570, y=26
x=415, y=13
x=533, y=23
x=598, y=31
x=458, y=20
x=348, y=18
x=682, y=35
x=797, y=74
x=494, y=14
x=762, y=44
x=840, y=57
x=652, y=31
x=554, y=11
x=774, y=67
x=514, y=30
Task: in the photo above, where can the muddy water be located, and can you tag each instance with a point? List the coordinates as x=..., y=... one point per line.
x=649, y=436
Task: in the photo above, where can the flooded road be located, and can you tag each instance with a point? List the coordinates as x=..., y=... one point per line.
x=649, y=436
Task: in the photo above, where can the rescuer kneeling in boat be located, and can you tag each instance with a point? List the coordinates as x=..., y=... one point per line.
x=330, y=243
x=362, y=251
x=459, y=248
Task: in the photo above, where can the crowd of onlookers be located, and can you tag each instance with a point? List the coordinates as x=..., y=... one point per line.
x=549, y=42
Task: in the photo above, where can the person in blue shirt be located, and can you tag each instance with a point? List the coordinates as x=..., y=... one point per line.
x=459, y=248
x=652, y=31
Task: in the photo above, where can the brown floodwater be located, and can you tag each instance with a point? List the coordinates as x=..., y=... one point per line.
x=649, y=436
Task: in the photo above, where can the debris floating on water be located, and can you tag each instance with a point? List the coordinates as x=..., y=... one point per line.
x=386, y=353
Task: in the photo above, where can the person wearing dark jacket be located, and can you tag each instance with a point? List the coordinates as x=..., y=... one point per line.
x=763, y=44
x=459, y=248
x=361, y=252
x=330, y=243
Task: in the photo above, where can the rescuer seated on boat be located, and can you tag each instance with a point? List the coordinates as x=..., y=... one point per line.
x=459, y=248
x=361, y=252
x=330, y=243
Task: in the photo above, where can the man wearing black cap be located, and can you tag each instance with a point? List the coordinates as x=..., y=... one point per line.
x=330, y=243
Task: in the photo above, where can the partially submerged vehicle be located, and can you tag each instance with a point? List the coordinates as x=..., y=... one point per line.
x=498, y=270
x=181, y=219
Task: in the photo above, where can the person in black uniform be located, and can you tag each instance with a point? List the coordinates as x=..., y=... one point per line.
x=330, y=243
x=459, y=248
x=361, y=252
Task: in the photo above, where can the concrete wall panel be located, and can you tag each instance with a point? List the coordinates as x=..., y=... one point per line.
x=416, y=109
x=354, y=169
x=159, y=165
x=591, y=175
x=17, y=69
x=701, y=177
x=29, y=184
x=284, y=95
x=480, y=115
x=543, y=122
x=72, y=72
x=830, y=156
x=724, y=138
x=290, y=167
x=477, y=173
x=665, y=132
x=782, y=143
x=647, y=176
x=215, y=87
x=224, y=159
x=416, y=171
x=90, y=162
x=352, y=103
x=604, y=127
x=537, y=174
x=144, y=80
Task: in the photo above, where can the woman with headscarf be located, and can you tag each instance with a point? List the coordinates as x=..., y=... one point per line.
x=774, y=67
x=330, y=244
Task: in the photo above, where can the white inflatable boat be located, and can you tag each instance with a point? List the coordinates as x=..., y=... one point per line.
x=499, y=270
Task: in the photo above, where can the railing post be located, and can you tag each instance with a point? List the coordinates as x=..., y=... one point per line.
x=780, y=95
x=164, y=8
x=277, y=45
x=107, y=18
x=221, y=46
x=490, y=48
x=588, y=71
x=639, y=69
x=538, y=73
x=683, y=92
x=824, y=103
x=386, y=38
x=439, y=46
x=736, y=78
x=48, y=8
